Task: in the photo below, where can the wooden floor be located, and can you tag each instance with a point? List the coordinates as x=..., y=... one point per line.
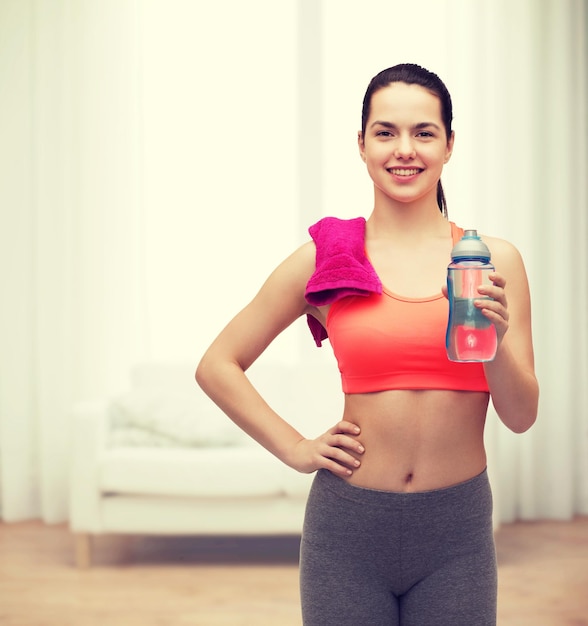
x=543, y=571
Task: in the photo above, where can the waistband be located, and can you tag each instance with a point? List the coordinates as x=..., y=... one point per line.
x=478, y=485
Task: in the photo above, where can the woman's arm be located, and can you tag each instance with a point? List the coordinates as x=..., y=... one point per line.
x=221, y=373
x=511, y=375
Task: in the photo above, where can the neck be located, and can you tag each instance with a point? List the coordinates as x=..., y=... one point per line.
x=390, y=218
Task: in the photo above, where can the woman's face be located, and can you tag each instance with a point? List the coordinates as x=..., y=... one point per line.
x=405, y=145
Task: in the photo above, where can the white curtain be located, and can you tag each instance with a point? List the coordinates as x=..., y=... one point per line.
x=142, y=139
x=71, y=249
x=544, y=201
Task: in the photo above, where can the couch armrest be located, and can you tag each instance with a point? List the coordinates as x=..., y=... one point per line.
x=90, y=431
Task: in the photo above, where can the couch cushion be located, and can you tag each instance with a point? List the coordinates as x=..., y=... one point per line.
x=307, y=395
x=204, y=472
x=170, y=417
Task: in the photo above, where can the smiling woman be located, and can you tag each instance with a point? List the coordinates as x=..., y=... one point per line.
x=406, y=463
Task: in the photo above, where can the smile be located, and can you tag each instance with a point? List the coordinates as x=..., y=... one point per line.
x=404, y=172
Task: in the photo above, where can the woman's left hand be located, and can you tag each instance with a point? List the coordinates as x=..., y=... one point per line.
x=496, y=309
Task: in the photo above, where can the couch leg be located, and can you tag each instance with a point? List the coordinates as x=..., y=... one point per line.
x=83, y=550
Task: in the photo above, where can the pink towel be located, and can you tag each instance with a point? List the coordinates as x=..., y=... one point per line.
x=342, y=268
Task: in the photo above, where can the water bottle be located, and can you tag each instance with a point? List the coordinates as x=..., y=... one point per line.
x=470, y=335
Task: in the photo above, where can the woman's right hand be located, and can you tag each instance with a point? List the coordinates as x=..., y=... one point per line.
x=337, y=450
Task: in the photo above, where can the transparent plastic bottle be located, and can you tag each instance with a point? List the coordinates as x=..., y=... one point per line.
x=470, y=335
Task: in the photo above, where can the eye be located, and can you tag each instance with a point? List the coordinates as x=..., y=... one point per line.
x=425, y=133
x=384, y=133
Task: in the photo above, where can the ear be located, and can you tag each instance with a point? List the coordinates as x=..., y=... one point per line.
x=449, y=149
x=361, y=145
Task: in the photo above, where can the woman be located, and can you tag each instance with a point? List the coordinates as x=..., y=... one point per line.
x=398, y=526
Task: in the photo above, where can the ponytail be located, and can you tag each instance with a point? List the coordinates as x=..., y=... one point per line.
x=441, y=201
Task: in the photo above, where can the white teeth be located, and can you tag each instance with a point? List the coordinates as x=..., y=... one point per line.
x=404, y=172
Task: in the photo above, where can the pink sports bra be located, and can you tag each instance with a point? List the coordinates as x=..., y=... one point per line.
x=385, y=341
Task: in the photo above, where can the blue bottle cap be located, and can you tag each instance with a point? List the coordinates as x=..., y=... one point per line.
x=470, y=246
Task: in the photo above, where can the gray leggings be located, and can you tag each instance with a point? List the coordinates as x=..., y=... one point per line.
x=375, y=558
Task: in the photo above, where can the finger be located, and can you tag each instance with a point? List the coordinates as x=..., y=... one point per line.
x=499, y=322
x=344, y=442
x=344, y=462
x=497, y=319
x=492, y=308
x=345, y=427
x=343, y=458
x=336, y=468
x=497, y=279
x=334, y=459
x=496, y=293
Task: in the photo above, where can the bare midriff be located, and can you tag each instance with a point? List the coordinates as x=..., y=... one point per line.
x=418, y=440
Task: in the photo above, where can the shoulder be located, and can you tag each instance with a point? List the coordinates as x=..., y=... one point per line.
x=503, y=251
x=329, y=237
x=301, y=262
x=508, y=261
x=288, y=280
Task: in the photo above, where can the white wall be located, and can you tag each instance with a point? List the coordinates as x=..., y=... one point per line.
x=218, y=99
x=359, y=40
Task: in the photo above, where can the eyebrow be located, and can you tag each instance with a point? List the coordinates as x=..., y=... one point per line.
x=418, y=126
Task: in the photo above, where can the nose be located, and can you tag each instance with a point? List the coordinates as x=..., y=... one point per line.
x=404, y=148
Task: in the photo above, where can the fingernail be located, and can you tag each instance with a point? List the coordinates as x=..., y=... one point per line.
x=361, y=449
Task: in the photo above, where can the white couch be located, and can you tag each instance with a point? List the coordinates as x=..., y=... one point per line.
x=162, y=459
